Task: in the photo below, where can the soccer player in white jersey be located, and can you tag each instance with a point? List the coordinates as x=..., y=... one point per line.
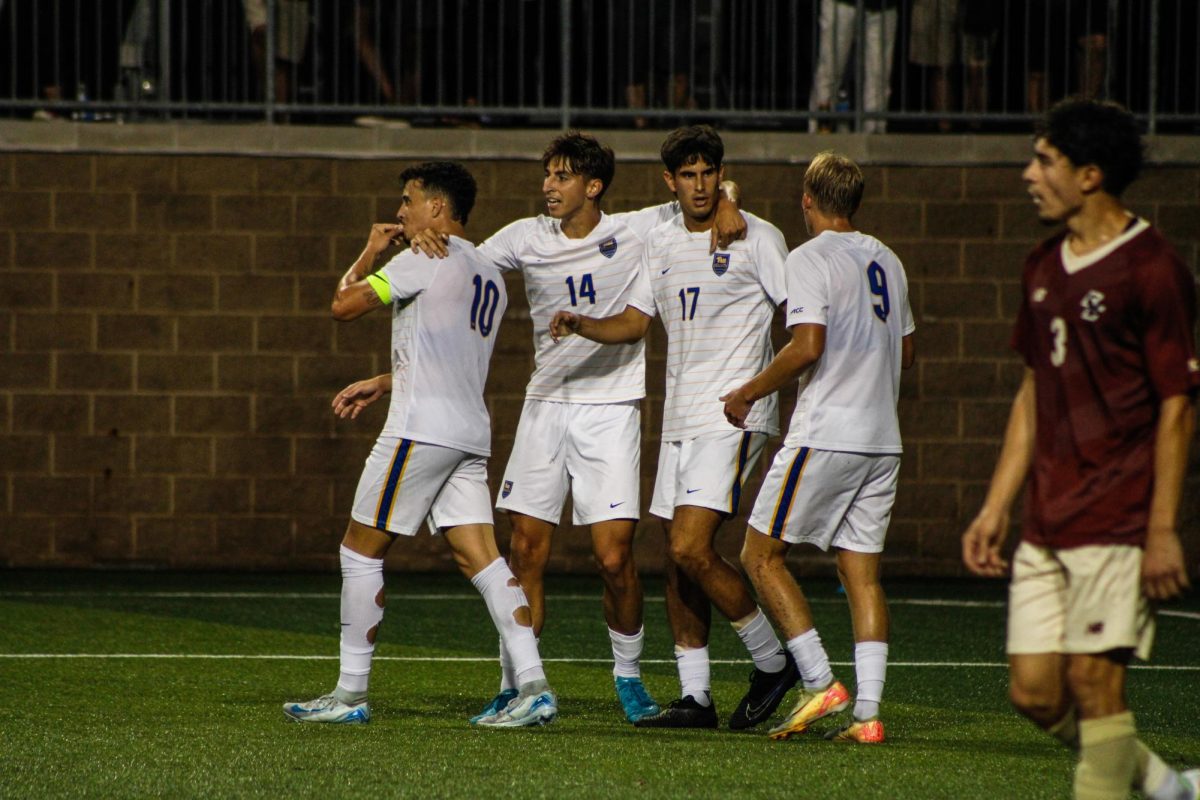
x=834, y=480
x=430, y=461
x=580, y=428
x=717, y=310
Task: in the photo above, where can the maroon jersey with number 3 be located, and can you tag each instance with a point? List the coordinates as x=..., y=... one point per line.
x=1109, y=336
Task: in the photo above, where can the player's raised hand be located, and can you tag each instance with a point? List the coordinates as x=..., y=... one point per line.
x=737, y=407
x=564, y=324
x=1164, y=574
x=383, y=235
x=430, y=242
x=350, y=402
x=982, y=542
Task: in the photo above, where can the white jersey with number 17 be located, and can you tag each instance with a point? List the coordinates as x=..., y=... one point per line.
x=855, y=286
x=717, y=309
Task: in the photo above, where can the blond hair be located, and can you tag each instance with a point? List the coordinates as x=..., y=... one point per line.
x=835, y=183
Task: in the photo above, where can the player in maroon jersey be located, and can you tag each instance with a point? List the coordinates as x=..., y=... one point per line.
x=1100, y=427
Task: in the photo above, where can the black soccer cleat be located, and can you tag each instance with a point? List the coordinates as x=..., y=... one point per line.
x=682, y=713
x=767, y=690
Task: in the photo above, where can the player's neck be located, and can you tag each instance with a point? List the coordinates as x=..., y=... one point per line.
x=581, y=223
x=1101, y=219
x=452, y=228
x=694, y=225
x=821, y=223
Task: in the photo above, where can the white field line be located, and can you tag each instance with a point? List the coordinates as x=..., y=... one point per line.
x=458, y=596
x=492, y=659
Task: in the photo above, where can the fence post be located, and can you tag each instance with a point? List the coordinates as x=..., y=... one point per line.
x=269, y=64
x=164, y=53
x=1153, y=88
x=565, y=59
x=860, y=62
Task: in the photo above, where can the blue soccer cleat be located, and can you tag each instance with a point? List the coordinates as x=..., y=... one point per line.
x=497, y=704
x=327, y=708
x=525, y=711
x=634, y=698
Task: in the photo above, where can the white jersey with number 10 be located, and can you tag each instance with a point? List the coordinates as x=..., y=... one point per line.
x=445, y=319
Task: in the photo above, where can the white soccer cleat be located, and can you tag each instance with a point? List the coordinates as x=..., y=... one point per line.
x=523, y=712
x=327, y=708
x=1191, y=781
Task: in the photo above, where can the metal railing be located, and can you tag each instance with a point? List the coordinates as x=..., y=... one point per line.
x=865, y=65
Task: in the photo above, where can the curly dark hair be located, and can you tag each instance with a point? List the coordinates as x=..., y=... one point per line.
x=584, y=155
x=449, y=180
x=1099, y=133
x=689, y=144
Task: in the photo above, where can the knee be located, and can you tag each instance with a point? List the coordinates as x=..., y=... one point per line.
x=613, y=562
x=1097, y=685
x=1042, y=704
x=689, y=556
x=756, y=559
x=527, y=551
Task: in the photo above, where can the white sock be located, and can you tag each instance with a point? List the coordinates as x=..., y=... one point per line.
x=361, y=611
x=626, y=650
x=759, y=637
x=695, y=677
x=508, y=678
x=811, y=660
x=870, y=667
x=503, y=595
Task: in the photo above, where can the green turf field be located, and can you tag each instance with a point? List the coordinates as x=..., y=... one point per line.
x=118, y=685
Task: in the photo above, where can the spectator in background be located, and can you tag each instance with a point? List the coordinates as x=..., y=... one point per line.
x=931, y=46
x=291, y=40
x=980, y=28
x=1049, y=23
x=838, y=25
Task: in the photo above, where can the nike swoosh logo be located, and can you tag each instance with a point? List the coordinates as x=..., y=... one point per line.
x=614, y=505
x=665, y=271
x=689, y=491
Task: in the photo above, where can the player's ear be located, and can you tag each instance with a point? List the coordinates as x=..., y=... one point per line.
x=669, y=179
x=1091, y=178
x=594, y=187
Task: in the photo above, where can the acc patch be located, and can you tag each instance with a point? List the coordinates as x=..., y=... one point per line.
x=608, y=248
x=507, y=490
x=720, y=263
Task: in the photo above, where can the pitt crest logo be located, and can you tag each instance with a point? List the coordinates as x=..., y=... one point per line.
x=1039, y=295
x=608, y=248
x=1093, y=306
x=507, y=490
x=720, y=263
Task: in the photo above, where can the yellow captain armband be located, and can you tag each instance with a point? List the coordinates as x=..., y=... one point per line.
x=381, y=287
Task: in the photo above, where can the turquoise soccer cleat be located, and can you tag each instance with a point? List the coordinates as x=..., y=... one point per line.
x=495, y=706
x=634, y=698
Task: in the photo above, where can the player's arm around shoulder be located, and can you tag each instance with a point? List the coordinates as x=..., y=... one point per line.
x=359, y=291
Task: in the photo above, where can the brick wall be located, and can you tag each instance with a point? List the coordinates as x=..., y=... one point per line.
x=167, y=357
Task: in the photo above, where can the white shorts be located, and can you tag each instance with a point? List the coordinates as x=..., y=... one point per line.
x=406, y=482
x=594, y=451
x=1078, y=600
x=708, y=471
x=824, y=497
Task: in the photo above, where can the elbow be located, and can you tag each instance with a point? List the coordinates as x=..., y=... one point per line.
x=341, y=311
